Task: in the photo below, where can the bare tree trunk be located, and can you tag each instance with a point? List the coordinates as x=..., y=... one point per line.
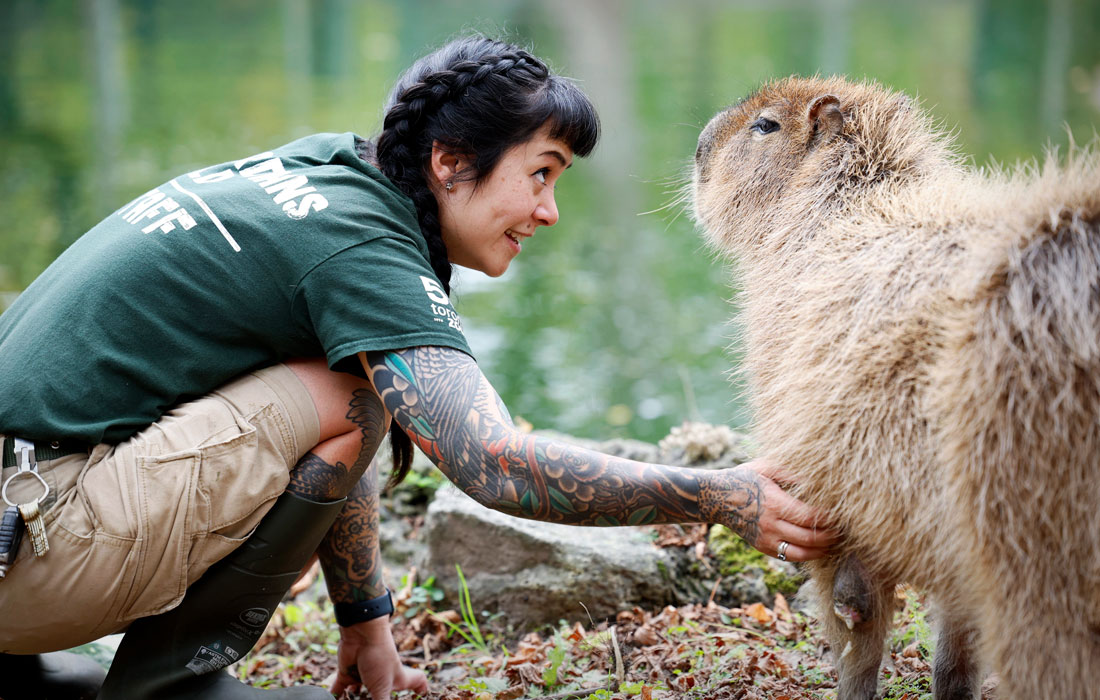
x=596, y=40
x=297, y=41
x=111, y=107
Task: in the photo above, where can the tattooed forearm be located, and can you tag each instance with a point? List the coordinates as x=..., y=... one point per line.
x=350, y=554
x=450, y=411
x=350, y=551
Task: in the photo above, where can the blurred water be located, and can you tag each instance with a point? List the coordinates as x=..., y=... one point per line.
x=613, y=321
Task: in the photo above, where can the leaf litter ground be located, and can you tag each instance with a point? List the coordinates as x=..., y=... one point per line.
x=701, y=651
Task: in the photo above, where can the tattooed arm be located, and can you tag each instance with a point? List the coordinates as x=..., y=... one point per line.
x=350, y=554
x=441, y=399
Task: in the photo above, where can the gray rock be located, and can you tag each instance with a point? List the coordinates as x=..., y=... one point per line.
x=537, y=573
x=400, y=547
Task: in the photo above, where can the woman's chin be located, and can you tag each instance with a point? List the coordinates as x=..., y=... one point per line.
x=495, y=270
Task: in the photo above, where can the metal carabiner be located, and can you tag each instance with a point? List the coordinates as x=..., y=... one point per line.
x=25, y=450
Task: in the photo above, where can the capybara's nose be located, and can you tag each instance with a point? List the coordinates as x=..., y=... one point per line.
x=707, y=139
x=706, y=142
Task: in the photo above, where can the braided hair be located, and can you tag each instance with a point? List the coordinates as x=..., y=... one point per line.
x=478, y=97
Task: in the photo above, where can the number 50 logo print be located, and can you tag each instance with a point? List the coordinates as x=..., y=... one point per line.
x=434, y=290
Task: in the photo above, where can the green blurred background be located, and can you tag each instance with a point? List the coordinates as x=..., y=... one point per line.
x=614, y=321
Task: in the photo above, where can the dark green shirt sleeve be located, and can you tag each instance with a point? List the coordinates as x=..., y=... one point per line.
x=379, y=295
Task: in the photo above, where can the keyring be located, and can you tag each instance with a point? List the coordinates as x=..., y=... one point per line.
x=16, y=475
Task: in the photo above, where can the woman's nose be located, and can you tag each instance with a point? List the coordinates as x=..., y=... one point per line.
x=546, y=212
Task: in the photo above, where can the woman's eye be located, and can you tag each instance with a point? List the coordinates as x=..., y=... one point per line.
x=764, y=126
x=540, y=175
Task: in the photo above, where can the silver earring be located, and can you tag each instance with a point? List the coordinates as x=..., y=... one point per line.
x=450, y=185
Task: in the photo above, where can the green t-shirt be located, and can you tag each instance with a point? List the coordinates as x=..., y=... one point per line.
x=304, y=251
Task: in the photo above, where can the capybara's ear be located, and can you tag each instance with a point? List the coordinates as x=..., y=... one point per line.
x=825, y=119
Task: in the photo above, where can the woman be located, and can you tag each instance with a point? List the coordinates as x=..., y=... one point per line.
x=193, y=466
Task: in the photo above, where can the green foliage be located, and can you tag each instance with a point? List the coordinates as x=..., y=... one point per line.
x=93, y=113
x=308, y=625
x=556, y=656
x=424, y=596
x=734, y=555
x=899, y=688
x=813, y=675
x=484, y=685
x=911, y=625
x=423, y=481
x=635, y=688
x=469, y=628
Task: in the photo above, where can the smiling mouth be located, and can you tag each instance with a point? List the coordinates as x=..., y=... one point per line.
x=514, y=237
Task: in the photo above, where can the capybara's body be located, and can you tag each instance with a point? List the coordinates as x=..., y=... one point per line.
x=922, y=347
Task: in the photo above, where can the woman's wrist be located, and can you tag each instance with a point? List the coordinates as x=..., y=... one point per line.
x=376, y=631
x=348, y=614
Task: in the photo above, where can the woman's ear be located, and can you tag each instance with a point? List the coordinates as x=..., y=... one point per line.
x=446, y=165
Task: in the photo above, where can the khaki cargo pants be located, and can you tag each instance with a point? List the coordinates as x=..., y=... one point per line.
x=131, y=526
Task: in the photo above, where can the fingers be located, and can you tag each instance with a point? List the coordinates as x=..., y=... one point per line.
x=413, y=680
x=382, y=690
x=805, y=529
x=803, y=544
x=343, y=682
x=799, y=553
x=784, y=506
x=404, y=678
x=808, y=537
x=382, y=685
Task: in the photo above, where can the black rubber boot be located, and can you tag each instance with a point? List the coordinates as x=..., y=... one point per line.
x=180, y=653
x=58, y=675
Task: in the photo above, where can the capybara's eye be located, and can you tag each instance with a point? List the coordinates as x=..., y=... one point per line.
x=764, y=125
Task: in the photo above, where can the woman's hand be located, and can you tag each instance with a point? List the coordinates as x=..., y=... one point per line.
x=780, y=517
x=367, y=657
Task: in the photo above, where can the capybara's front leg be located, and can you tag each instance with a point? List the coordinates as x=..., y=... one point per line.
x=856, y=610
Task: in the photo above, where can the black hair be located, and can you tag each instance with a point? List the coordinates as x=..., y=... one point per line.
x=478, y=97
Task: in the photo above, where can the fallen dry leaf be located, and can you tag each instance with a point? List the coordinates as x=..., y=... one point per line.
x=645, y=636
x=781, y=609
x=758, y=612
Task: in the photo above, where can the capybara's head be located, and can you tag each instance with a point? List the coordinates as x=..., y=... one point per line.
x=798, y=148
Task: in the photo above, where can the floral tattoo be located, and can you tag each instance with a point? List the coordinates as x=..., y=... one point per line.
x=449, y=410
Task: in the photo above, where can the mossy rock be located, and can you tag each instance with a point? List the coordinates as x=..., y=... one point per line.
x=735, y=556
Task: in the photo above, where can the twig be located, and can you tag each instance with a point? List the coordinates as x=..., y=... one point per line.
x=620, y=675
x=576, y=693
x=714, y=590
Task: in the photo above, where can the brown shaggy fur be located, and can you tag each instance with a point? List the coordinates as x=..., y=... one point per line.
x=922, y=347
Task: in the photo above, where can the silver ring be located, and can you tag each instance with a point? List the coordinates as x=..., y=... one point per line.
x=781, y=554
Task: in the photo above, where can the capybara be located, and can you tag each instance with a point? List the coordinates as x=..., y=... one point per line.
x=922, y=352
